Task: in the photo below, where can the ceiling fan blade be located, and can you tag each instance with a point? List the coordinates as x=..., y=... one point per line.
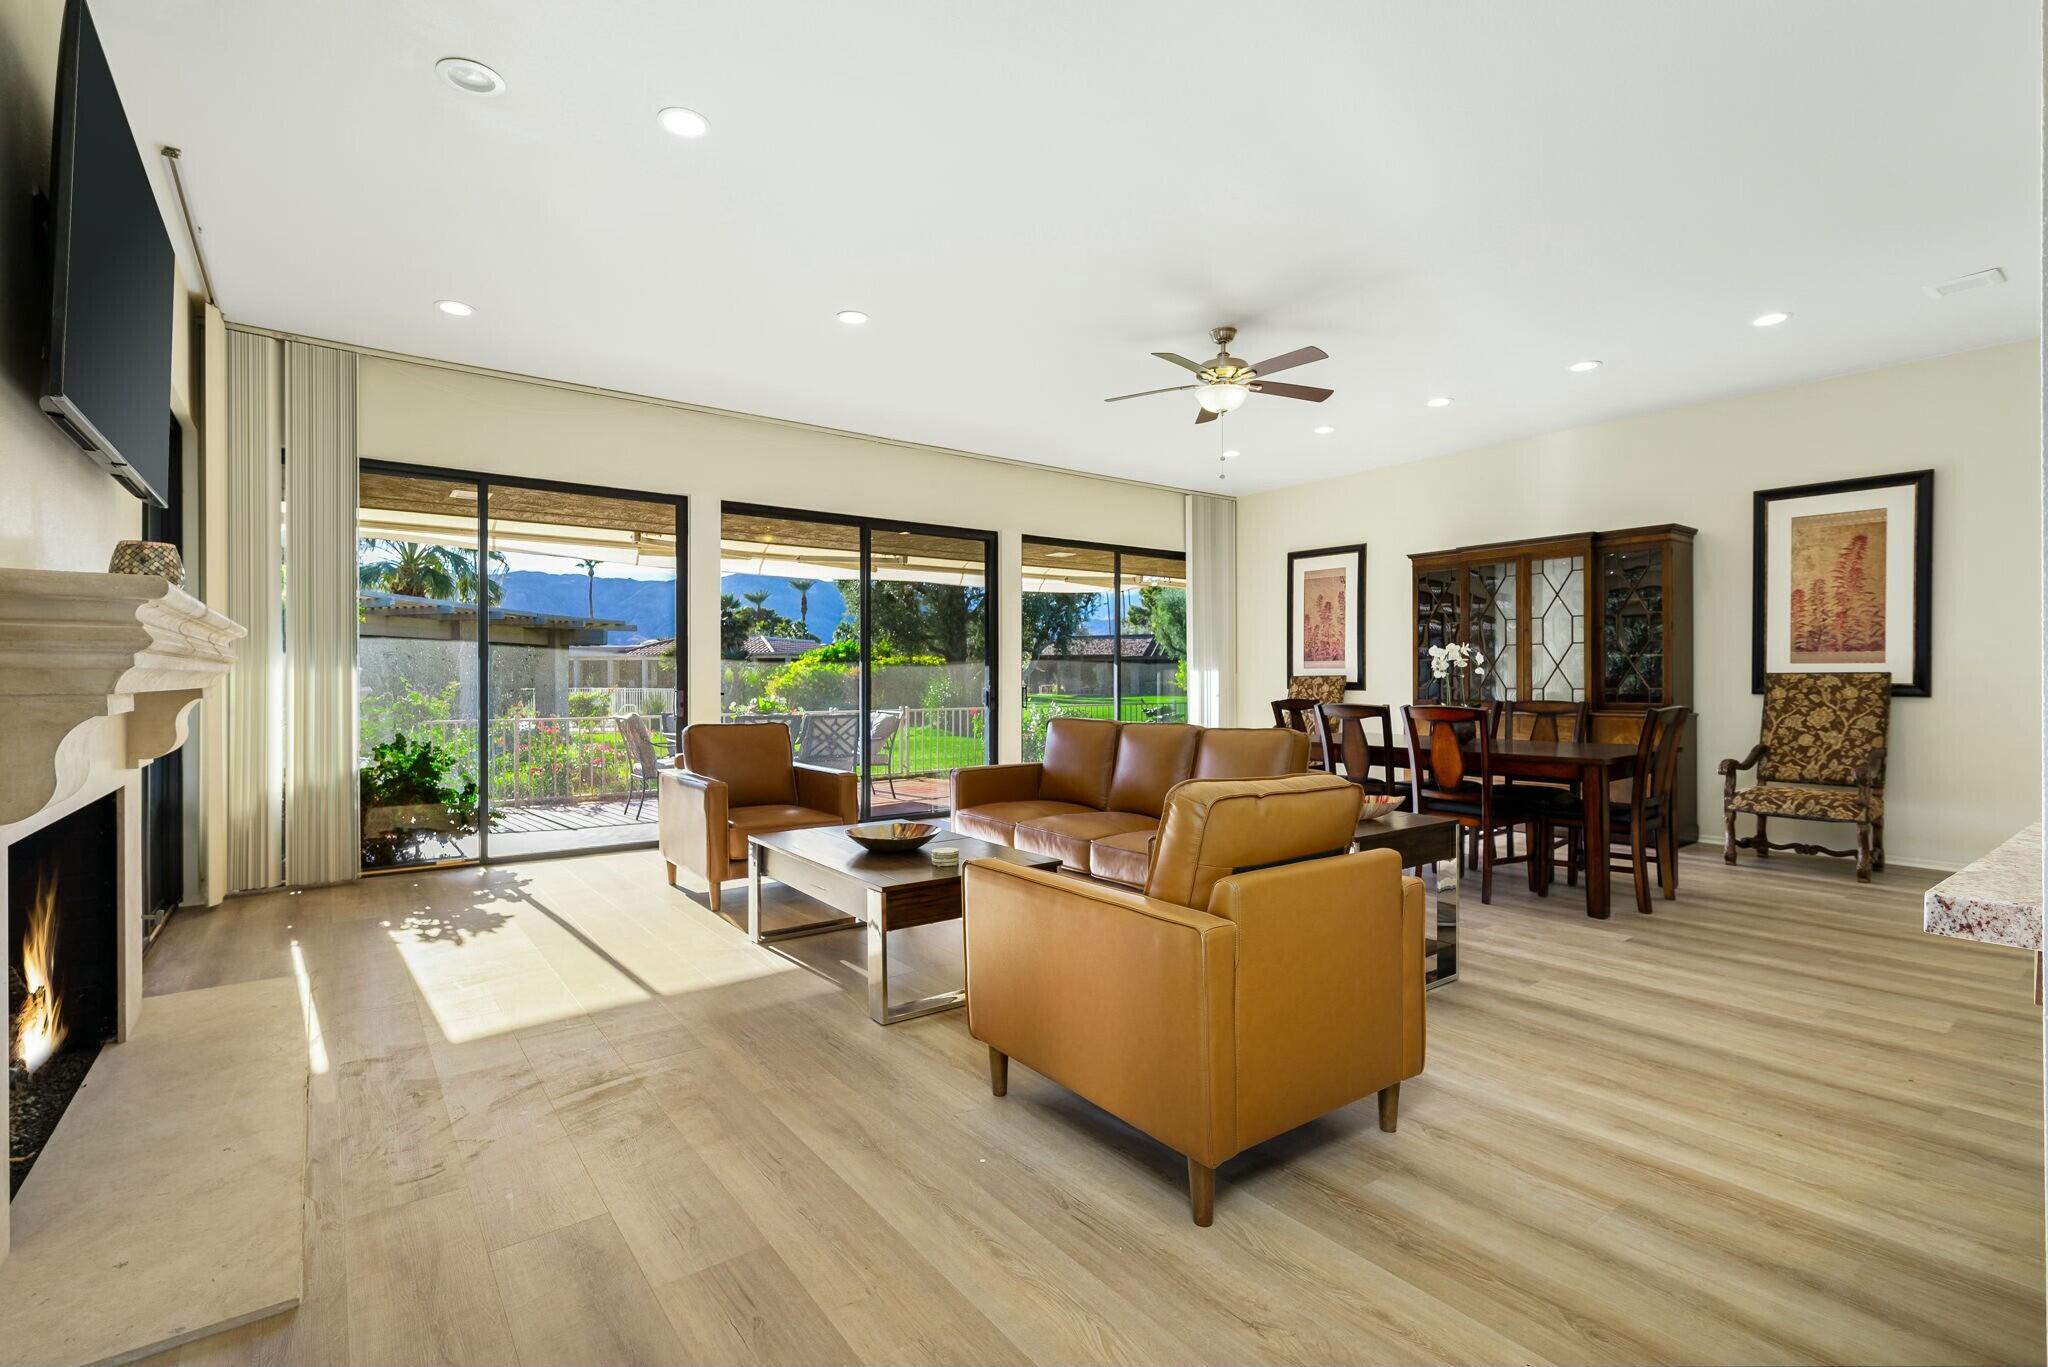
x=1203, y=415
x=1291, y=391
x=1291, y=359
x=1183, y=362
x=1170, y=389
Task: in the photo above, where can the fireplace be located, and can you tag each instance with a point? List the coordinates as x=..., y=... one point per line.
x=63, y=978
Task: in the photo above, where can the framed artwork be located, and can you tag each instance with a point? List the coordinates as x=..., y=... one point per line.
x=1844, y=580
x=1326, y=613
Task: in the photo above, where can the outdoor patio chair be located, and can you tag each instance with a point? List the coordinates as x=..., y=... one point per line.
x=882, y=746
x=829, y=740
x=645, y=774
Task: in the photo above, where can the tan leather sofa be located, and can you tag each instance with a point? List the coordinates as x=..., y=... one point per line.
x=1235, y=998
x=739, y=780
x=1095, y=799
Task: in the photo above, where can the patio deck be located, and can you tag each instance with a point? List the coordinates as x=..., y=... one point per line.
x=602, y=824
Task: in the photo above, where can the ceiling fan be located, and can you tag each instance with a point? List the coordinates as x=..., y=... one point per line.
x=1227, y=382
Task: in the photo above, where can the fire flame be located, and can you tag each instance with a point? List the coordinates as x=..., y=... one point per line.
x=39, y=1025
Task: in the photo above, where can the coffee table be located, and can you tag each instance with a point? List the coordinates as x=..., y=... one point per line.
x=1430, y=842
x=883, y=892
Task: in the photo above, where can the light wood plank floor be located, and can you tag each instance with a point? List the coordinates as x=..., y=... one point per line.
x=562, y=1113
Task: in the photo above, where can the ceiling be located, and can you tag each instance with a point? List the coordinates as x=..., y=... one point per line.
x=1450, y=199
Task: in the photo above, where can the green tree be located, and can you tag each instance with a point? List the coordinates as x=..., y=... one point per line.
x=590, y=586
x=1162, y=611
x=1052, y=620
x=406, y=568
x=759, y=599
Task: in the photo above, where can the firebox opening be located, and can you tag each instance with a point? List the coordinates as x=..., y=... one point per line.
x=63, y=985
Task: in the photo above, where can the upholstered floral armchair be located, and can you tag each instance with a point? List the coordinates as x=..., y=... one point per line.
x=1821, y=759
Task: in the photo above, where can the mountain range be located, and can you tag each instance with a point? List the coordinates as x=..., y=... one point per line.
x=650, y=604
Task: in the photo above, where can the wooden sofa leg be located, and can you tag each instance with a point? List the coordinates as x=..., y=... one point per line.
x=671, y=872
x=998, y=1071
x=712, y=897
x=1390, y=1107
x=1201, y=1193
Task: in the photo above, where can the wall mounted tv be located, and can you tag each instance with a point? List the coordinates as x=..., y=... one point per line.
x=109, y=380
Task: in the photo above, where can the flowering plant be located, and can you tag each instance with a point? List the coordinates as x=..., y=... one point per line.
x=1452, y=666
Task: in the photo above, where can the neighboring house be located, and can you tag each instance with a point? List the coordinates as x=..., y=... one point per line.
x=427, y=641
x=773, y=650
x=1081, y=667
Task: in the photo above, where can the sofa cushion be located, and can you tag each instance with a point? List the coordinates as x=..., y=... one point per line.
x=1244, y=752
x=994, y=821
x=753, y=760
x=1150, y=758
x=1122, y=858
x=742, y=822
x=1079, y=756
x=1067, y=836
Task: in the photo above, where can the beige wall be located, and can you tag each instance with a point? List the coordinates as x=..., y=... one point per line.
x=1965, y=763
x=60, y=510
x=434, y=415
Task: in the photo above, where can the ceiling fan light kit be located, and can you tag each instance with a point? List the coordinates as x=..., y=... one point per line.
x=1224, y=382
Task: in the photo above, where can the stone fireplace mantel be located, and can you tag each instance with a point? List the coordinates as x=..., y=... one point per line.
x=98, y=673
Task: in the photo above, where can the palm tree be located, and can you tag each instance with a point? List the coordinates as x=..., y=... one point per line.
x=803, y=589
x=759, y=598
x=409, y=569
x=590, y=577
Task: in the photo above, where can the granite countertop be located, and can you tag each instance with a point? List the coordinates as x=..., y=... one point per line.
x=1996, y=900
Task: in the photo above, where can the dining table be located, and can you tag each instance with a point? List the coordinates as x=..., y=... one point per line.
x=1590, y=765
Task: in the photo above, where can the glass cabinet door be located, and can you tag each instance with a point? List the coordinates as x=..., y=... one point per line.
x=1557, y=628
x=1436, y=624
x=1495, y=628
x=1632, y=625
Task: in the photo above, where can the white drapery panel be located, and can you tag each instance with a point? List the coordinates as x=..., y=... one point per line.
x=1212, y=610
x=323, y=842
x=255, y=687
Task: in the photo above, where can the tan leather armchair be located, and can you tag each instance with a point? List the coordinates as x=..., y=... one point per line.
x=738, y=780
x=1264, y=976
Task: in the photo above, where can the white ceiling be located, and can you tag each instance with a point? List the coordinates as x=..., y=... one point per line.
x=1449, y=198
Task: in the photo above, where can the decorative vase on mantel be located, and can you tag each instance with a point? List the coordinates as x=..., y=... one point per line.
x=160, y=558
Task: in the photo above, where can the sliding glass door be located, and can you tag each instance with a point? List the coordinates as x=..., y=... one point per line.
x=582, y=667
x=869, y=639
x=1105, y=635
x=518, y=678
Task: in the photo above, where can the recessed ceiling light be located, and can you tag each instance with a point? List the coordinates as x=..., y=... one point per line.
x=684, y=123
x=470, y=77
x=1230, y=455
x=1581, y=367
x=1768, y=320
x=853, y=318
x=1440, y=401
x=454, y=308
x=1325, y=430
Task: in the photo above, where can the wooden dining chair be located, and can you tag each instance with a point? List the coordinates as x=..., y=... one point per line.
x=1344, y=723
x=1442, y=782
x=1299, y=714
x=1646, y=821
x=1542, y=719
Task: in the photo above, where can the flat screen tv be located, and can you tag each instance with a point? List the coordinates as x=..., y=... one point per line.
x=112, y=277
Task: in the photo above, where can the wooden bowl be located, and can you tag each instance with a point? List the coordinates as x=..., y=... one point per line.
x=891, y=837
x=1377, y=807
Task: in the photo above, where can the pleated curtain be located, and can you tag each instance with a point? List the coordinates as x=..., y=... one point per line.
x=323, y=842
x=255, y=685
x=1212, y=610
